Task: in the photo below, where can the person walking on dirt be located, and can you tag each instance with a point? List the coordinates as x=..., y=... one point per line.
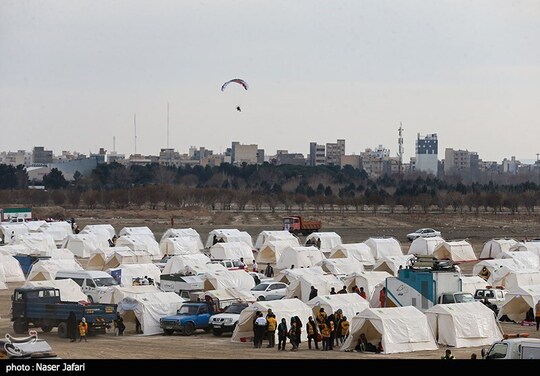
x=269, y=271
x=83, y=329
x=72, y=327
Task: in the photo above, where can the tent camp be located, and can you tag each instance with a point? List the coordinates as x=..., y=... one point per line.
x=183, y=233
x=289, y=275
x=494, y=248
x=9, y=231
x=472, y=283
x=358, y=251
x=36, y=241
x=398, y=329
x=270, y=252
x=513, y=279
x=325, y=241
x=222, y=279
x=142, y=231
x=228, y=235
x=99, y=258
x=341, y=266
x=46, y=269
x=463, y=324
x=300, y=257
x=59, y=230
x=518, y=301
x=140, y=243
x=232, y=251
x=424, y=246
x=533, y=247
x=34, y=226
x=458, y=251
x=391, y=264
x=486, y=268
x=266, y=236
x=10, y=268
x=126, y=256
x=367, y=280
x=179, y=264
x=283, y=309
x=149, y=308
x=180, y=245
x=225, y=297
x=70, y=291
x=301, y=287
x=15, y=250
x=381, y=247
x=200, y=269
x=350, y=304
x=525, y=259
x=115, y=294
x=84, y=245
x=125, y=274
x=104, y=229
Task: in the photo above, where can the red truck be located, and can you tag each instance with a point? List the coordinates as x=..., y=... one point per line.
x=297, y=225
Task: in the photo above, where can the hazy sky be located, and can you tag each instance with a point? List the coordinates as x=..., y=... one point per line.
x=74, y=72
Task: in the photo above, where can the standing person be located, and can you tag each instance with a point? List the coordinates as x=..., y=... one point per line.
x=83, y=329
x=448, y=355
x=332, y=291
x=331, y=322
x=119, y=324
x=343, y=290
x=269, y=271
x=382, y=297
x=298, y=331
x=321, y=317
x=537, y=314
x=344, y=328
x=72, y=326
x=325, y=332
x=338, y=316
x=292, y=334
x=312, y=331
x=242, y=264
x=137, y=326
x=271, y=329
x=362, y=293
x=254, y=267
x=282, y=334
x=260, y=329
x=313, y=293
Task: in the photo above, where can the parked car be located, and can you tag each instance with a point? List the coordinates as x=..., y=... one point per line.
x=226, y=322
x=456, y=297
x=513, y=347
x=262, y=290
x=423, y=233
x=494, y=296
x=259, y=277
x=230, y=264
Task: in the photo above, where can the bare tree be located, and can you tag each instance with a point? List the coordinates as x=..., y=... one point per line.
x=90, y=198
x=58, y=197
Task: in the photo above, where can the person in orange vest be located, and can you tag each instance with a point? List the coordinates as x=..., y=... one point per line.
x=325, y=332
x=344, y=326
x=83, y=329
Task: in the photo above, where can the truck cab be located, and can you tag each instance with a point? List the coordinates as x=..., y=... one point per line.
x=513, y=348
x=455, y=297
x=190, y=317
x=493, y=295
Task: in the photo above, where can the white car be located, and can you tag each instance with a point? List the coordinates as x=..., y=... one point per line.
x=226, y=321
x=423, y=233
x=262, y=290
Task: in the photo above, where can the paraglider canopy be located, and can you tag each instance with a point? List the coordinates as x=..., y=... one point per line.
x=236, y=80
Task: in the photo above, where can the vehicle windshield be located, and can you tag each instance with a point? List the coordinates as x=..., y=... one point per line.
x=497, y=351
x=105, y=282
x=187, y=310
x=464, y=298
x=260, y=287
x=235, y=308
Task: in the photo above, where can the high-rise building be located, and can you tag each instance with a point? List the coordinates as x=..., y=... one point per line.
x=244, y=153
x=317, y=154
x=427, y=154
x=41, y=156
x=334, y=151
x=456, y=161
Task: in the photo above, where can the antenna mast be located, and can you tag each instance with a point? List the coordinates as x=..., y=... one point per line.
x=400, y=149
x=114, y=143
x=135, y=125
x=167, y=125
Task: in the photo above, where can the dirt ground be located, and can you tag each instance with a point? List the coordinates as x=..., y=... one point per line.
x=352, y=227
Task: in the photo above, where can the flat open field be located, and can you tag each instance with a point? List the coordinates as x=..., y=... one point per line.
x=351, y=227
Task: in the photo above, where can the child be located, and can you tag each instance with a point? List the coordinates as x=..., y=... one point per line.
x=83, y=329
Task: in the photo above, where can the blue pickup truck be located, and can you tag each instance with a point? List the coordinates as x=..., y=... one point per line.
x=43, y=308
x=190, y=317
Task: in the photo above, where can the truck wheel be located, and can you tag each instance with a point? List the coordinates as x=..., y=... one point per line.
x=217, y=332
x=20, y=326
x=46, y=328
x=90, y=299
x=189, y=329
x=260, y=298
x=62, y=330
x=168, y=332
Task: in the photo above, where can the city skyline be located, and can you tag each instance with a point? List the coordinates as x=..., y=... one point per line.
x=74, y=75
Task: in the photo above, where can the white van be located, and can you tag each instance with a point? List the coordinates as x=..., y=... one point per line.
x=93, y=283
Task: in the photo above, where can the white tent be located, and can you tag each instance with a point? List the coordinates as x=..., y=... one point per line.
x=325, y=241
x=472, y=283
x=200, y=269
x=149, y=308
x=222, y=279
x=140, y=243
x=228, y=235
x=106, y=230
x=59, y=230
x=180, y=263
x=289, y=275
x=301, y=287
x=10, y=268
x=83, y=245
x=283, y=309
x=179, y=246
x=399, y=329
x=495, y=247
x=341, y=266
x=46, y=269
x=299, y=257
x=525, y=259
x=358, y=251
x=3, y=285
x=266, y=236
x=350, y=304
x=36, y=241
x=270, y=252
x=70, y=291
x=463, y=324
x=99, y=258
x=458, y=251
x=34, y=226
x=533, y=247
x=511, y=280
x=142, y=231
x=126, y=256
x=391, y=264
x=15, y=250
x=486, y=268
x=9, y=231
x=381, y=247
x=424, y=246
x=183, y=233
x=227, y=296
x=115, y=294
x=232, y=251
x=368, y=280
x=518, y=301
x=127, y=273
x=62, y=253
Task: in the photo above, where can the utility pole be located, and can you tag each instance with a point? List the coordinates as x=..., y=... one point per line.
x=400, y=149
